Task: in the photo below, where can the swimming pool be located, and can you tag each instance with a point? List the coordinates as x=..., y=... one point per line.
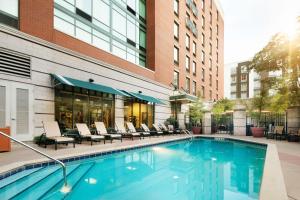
x=204, y=169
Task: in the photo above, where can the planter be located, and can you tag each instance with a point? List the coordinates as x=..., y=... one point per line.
x=257, y=131
x=4, y=141
x=196, y=130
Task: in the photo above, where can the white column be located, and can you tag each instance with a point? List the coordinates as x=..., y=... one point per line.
x=206, y=123
x=293, y=118
x=119, y=109
x=239, y=120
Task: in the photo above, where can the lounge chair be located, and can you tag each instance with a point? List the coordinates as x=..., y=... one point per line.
x=175, y=131
x=294, y=136
x=52, y=132
x=120, y=128
x=85, y=134
x=164, y=128
x=101, y=130
x=132, y=129
x=275, y=133
x=158, y=130
x=280, y=134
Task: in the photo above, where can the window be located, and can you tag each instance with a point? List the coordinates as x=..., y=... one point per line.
x=176, y=7
x=233, y=79
x=217, y=97
x=203, y=39
x=203, y=57
x=217, y=84
x=187, y=84
x=187, y=63
x=194, y=68
x=210, y=49
x=217, y=15
x=210, y=33
x=203, y=5
x=176, y=31
x=210, y=95
x=176, y=55
x=9, y=12
x=211, y=3
x=85, y=6
x=244, y=77
x=217, y=43
x=217, y=29
x=210, y=80
x=210, y=64
x=203, y=74
x=217, y=70
x=210, y=18
x=203, y=91
x=217, y=57
x=187, y=42
x=203, y=22
x=176, y=79
x=194, y=88
x=194, y=48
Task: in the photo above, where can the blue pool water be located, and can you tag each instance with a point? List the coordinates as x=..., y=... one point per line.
x=201, y=169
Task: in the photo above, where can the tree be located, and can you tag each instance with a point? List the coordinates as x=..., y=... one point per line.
x=221, y=107
x=281, y=54
x=196, y=111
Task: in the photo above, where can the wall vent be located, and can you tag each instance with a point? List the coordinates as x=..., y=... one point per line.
x=14, y=63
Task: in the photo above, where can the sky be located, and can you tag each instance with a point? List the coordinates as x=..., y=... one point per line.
x=250, y=24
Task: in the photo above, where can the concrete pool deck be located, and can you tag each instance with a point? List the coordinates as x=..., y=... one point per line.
x=288, y=153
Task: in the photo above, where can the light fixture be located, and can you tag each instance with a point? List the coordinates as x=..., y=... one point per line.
x=91, y=80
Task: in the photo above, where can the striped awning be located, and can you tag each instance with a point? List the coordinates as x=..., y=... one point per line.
x=87, y=85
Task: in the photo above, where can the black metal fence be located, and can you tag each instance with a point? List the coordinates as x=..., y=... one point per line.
x=222, y=124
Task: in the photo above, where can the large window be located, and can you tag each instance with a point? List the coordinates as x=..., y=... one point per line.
x=176, y=55
x=176, y=79
x=187, y=63
x=187, y=42
x=194, y=68
x=194, y=88
x=9, y=12
x=187, y=84
x=176, y=30
x=82, y=106
x=194, y=48
x=176, y=7
x=118, y=28
x=138, y=112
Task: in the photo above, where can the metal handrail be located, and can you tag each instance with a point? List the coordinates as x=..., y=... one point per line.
x=39, y=152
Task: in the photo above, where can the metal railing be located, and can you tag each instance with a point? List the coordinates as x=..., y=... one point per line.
x=41, y=153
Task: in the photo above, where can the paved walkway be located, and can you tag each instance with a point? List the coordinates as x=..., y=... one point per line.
x=289, y=154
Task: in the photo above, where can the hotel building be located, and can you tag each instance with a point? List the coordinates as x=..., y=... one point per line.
x=106, y=60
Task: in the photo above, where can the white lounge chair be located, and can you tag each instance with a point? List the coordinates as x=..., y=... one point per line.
x=85, y=133
x=120, y=128
x=147, y=130
x=52, y=132
x=101, y=130
x=159, y=130
x=164, y=128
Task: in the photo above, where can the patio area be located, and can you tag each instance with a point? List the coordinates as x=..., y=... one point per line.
x=288, y=154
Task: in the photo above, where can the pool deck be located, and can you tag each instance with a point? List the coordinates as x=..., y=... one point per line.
x=288, y=154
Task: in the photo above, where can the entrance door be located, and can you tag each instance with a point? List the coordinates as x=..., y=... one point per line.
x=16, y=109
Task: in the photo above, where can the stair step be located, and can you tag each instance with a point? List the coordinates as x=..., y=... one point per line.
x=37, y=190
x=9, y=180
x=14, y=188
x=73, y=179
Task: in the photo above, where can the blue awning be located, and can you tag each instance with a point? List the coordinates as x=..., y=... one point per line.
x=87, y=85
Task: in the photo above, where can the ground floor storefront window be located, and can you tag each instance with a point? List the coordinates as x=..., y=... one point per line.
x=78, y=105
x=138, y=112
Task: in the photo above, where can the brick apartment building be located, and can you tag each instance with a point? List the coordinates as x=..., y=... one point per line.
x=106, y=60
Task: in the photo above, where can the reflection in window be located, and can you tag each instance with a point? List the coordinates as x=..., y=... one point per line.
x=9, y=12
x=103, y=23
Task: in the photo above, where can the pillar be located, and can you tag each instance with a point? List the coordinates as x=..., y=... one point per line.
x=239, y=120
x=206, y=123
x=293, y=118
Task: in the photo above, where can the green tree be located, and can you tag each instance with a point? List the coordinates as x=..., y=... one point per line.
x=280, y=54
x=221, y=106
x=196, y=111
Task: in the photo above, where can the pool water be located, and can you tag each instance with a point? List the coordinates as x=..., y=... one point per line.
x=200, y=169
